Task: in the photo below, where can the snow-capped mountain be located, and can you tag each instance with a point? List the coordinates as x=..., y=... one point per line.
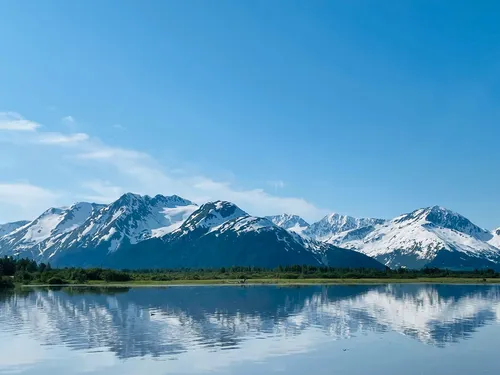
x=168, y=231
x=495, y=240
x=11, y=227
x=289, y=222
x=34, y=238
x=171, y=232
x=211, y=216
x=130, y=219
x=432, y=236
x=220, y=234
x=335, y=223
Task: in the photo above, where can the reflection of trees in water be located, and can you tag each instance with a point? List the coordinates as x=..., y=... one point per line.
x=159, y=321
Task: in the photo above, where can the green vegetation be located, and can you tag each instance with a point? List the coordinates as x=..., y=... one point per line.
x=6, y=282
x=28, y=272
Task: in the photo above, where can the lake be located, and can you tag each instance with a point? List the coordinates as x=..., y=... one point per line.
x=359, y=329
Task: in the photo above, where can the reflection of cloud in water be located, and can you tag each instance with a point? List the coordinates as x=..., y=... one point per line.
x=176, y=321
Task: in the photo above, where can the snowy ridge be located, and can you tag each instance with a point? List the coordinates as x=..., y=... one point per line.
x=495, y=240
x=432, y=236
x=244, y=224
x=335, y=223
x=289, y=222
x=420, y=235
x=11, y=227
x=210, y=217
x=37, y=236
x=131, y=219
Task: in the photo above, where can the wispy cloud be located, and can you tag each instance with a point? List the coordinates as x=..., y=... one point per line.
x=124, y=170
x=12, y=121
x=25, y=200
x=61, y=139
x=118, y=126
x=102, y=191
x=68, y=120
x=276, y=184
x=103, y=152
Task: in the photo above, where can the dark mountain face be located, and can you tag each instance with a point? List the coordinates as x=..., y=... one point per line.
x=268, y=248
x=214, y=251
x=218, y=235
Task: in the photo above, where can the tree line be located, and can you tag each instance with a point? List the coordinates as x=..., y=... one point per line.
x=26, y=271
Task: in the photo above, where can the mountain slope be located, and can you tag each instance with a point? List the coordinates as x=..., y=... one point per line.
x=11, y=227
x=219, y=234
x=289, y=222
x=335, y=223
x=495, y=239
x=34, y=238
x=432, y=236
x=129, y=220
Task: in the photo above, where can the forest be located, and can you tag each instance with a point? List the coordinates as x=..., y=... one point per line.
x=27, y=272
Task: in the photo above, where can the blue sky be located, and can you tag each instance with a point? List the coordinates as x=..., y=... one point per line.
x=305, y=107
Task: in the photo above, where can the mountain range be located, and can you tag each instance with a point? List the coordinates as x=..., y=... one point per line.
x=172, y=232
x=427, y=237
x=139, y=232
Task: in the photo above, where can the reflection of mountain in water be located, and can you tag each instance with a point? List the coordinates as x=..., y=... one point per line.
x=160, y=321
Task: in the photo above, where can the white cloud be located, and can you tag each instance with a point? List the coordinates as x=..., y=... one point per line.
x=68, y=120
x=118, y=126
x=24, y=201
x=130, y=170
x=103, y=152
x=276, y=184
x=13, y=121
x=258, y=201
x=58, y=138
x=102, y=191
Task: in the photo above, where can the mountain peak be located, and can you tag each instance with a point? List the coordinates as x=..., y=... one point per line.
x=284, y=219
x=293, y=223
x=211, y=215
x=170, y=200
x=130, y=197
x=443, y=217
x=53, y=211
x=336, y=223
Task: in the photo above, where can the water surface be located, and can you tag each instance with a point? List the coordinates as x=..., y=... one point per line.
x=358, y=329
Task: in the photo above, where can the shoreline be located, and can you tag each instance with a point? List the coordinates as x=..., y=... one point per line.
x=291, y=282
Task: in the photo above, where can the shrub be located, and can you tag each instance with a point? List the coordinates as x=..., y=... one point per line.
x=161, y=277
x=23, y=277
x=110, y=275
x=6, y=282
x=56, y=281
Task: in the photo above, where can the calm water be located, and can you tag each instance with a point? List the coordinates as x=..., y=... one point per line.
x=384, y=329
